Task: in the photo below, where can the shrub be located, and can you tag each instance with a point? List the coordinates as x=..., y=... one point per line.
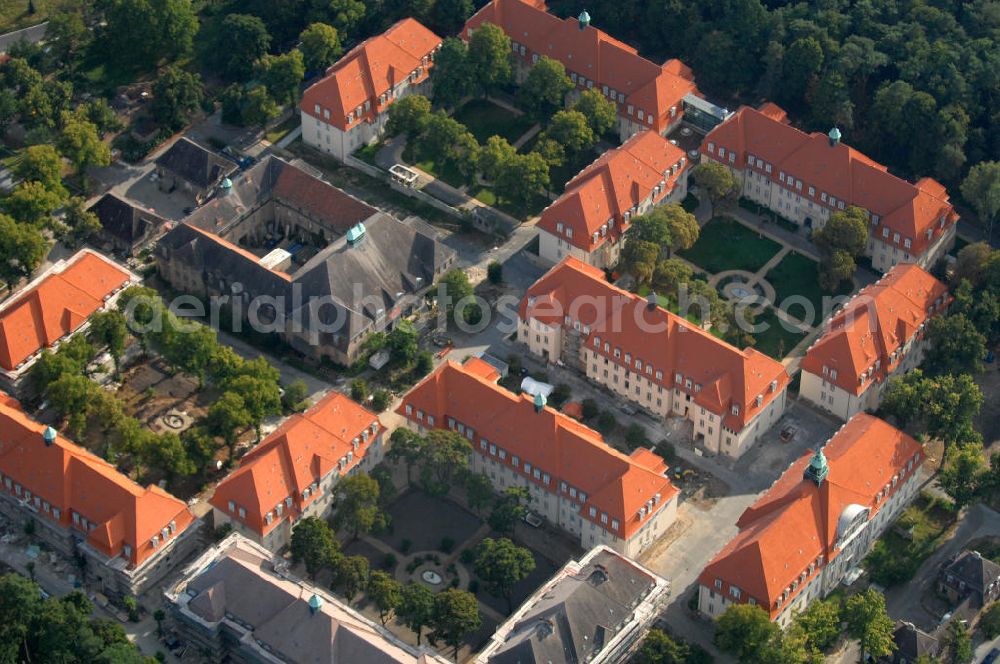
x=390, y=560
x=560, y=395
x=414, y=564
x=405, y=546
x=216, y=142
x=666, y=450
x=635, y=435
x=606, y=423
x=474, y=587
x=447, y=544
x=494, y=272
x=434, y=559
x=359, y=389
x=380, y=400
x=467, y=557
x=455, y=582
x=590, y=409
x=990, y=621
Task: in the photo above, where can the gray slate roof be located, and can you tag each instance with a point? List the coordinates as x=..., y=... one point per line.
x=977, y=572
x=195, y=164
x=911, y=643
x=578, y=616
x=281, y=619
x=123, y=220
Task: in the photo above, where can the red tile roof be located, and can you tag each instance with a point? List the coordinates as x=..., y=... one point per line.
x=614, y=484
x=56, y=306
x=297, y=455
x=369, y=70
x=722, y=376
x=911, y=210
x=594, y=55
x=795, y=522
x=616, y=183
x=879, y=321
x=70, y=478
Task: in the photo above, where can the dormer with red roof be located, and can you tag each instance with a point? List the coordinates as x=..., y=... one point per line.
x=347, y=109
x=660, y=361
x=81, y=503
x=55, y=306
x=292, y=473
x=648, y=95
x=877, y=335
x=590, y=219
x=601, y=495
x=816, y=523
x=807, y=177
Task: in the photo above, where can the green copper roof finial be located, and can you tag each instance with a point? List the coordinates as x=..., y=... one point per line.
x=584, y=19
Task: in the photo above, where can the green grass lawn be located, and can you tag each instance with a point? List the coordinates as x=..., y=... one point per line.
x=726, y=244
x=670, y=304
x=896, y=558
x=778, y=340
x=484, y=119
x=14, y=14
x=367, y=153
x=799, y=275
x=280, y=131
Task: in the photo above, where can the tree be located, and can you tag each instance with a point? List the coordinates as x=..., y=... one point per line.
x=971, y=263
x=802, y=61
x=424, y=363
x=452, y=76
x=479, y=492
x=961, y=473
x=142, y=33
x=659, y=648
x=31, y=203
x=450, y=15
x=444, y=456
x=453, y=287
x=416, y=607
x=409, y=115
x=958, y=642
x=380, y=400
x=261, y=398
x=386, y=592
x=320, y=46
x=314, y=544
x=357, y=505
x=456, y=614
x=240, y=42
x=868, y=623
x=501, y=565
x=108, y=329
x=344, y=15
x=550, y=150
x=42, y=164
x=745, y=631
x=352, y=576
x=571, y=130
x=523, y=179
x=100, y=113
x=495, y=156
x=508, y=510
x=956, y=346
x=296, y=396
x=840, y=241
x=821, y=623
x=80, y=222
x=402, y=342
x=716, y=180
x=668, y=227
x=981, y=188
x=945, y=405
x=227, y=417
x=176, y=95
x=489, y=57
x=282, y=75
x=639, y=259
x=406, y=445
x=259, y=107
x=66, y=35
x=83, y=147
x=22, y=248
x=670, y=274
x=544, y=90
x=601, y=112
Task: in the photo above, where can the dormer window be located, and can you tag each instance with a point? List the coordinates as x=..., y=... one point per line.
x=735, y=409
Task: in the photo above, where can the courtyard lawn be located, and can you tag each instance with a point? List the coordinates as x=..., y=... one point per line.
x=281, y=130
x=922, y=528
x=14, y=14
x=798, y=275
x=726, y=244
x=779, y=338
x=484, y=119
x=670, y=304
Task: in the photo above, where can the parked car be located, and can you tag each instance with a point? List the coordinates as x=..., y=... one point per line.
x=532, y=519
x=991, y=656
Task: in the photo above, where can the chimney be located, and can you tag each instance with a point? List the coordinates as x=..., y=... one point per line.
x=584, y=19
x=49, y=436
x=834, y=136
